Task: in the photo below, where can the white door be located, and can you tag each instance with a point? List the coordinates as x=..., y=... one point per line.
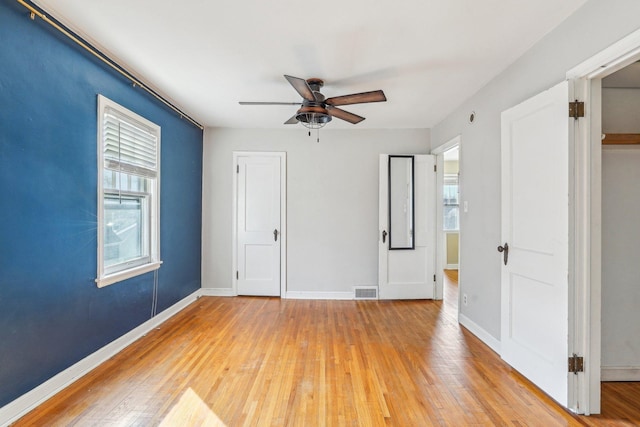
x=535, y=209
x=408, y=273
x=258, y=219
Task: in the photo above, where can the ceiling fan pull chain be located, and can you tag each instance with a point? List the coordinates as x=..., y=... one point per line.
x=318, y=135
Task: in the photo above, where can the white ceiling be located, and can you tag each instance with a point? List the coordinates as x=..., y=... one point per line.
x=427, y=55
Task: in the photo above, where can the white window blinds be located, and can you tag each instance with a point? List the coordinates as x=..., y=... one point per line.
x=129, y=146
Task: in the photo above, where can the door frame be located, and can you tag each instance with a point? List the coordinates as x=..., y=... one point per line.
x=440, y=235
x=585, y=248
x=283, y=216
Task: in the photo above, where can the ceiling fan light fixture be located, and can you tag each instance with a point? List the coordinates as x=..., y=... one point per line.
x=313, y=117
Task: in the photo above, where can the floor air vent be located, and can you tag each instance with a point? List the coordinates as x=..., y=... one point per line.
x=366, y=292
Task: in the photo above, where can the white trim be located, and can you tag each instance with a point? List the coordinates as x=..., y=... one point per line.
x=234, y=226
x=283, y=217
x=620, y=373
x=217, y=292
x=580, y=283
x=451, y=266
x=28, y=401
x=480, y=333
x=586, y=254
x=441, y=240
x=127, y=274
x=592, y=322
x=320, y=295
x=617, y=56
x=440, y=149
x=283, y=224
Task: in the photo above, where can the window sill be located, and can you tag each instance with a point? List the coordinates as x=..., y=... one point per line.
x=127, y=274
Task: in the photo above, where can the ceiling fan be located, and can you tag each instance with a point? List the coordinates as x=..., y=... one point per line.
x=316, y=110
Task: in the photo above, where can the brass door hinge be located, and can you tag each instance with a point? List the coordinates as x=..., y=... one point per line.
x=576, y=364
x=576, y=109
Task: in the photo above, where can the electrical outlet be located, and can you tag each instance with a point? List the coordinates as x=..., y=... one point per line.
x=464, y=299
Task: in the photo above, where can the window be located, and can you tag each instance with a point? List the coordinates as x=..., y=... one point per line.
x=128, y=194
x=451, y=204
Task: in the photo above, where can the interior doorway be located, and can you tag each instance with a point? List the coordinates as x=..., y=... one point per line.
x=448, y=213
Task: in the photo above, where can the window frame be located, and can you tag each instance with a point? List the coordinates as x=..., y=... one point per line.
x=151, y=197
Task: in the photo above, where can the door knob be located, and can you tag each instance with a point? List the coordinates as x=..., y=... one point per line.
x=275, y=235
x=384, y=235
x=505, y=251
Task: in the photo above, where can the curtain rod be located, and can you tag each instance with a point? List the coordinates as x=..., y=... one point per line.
x=102, y=57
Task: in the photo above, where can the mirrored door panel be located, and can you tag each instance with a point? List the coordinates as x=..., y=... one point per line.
x=401, y=202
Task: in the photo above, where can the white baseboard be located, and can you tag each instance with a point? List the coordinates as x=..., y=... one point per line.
x=320, y=295
x=483, y=335
x=451, y=267
x=217, y=292
x=28, y=401
x=620, y=373
x=228, y=292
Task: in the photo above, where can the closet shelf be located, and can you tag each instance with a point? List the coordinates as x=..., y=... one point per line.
x=621, y=138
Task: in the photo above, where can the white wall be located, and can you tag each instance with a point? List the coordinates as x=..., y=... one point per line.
x=592, y=28
x=620, y=110
x=332, y=202
x=620, y=257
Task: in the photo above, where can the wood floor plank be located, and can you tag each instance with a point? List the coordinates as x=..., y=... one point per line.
x=271, y=362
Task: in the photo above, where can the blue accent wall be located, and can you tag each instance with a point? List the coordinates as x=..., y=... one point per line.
x=51, y=312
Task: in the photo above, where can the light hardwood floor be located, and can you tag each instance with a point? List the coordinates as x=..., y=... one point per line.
x=265, y=361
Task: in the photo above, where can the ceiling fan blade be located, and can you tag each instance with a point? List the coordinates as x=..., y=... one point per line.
x=301, y=86
x=292, y=120
x=268, y=103
x=358, y=98
x=344, y=115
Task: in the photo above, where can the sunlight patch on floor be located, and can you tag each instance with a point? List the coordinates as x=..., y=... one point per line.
x=191, y=411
